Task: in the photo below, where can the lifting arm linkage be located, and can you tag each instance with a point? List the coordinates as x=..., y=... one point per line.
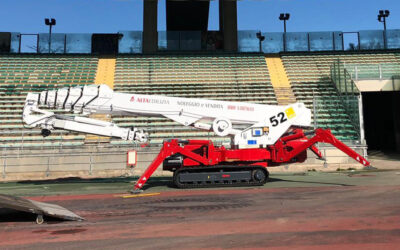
x=169, y=148
x=316, y=151
x=325, y=136
x=299, y=134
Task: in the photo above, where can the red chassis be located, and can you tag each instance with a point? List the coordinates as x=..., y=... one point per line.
x=288, y=149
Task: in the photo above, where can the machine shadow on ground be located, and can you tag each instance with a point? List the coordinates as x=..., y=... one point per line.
x=316, y=182
x=156, y=182
x=80, y=180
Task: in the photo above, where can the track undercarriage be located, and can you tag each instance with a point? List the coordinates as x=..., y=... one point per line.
x=220, y=176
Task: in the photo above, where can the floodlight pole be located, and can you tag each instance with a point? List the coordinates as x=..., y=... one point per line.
x=50, y=23
x=384, y=24
x=284, y=17
x=383, y=14
x=284, y=26
x=261, y=38
x=51, y=26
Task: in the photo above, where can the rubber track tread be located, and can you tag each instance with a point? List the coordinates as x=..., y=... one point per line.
x=216, y=169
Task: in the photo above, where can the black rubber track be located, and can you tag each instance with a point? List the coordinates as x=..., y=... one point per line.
x=214, y=169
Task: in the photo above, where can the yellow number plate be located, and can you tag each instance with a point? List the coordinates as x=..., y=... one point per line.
x=290, y=113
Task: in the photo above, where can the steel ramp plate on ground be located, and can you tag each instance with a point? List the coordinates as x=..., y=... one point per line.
x=36, y=207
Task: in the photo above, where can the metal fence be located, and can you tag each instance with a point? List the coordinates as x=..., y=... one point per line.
x=343, y=80
x=25, y=165
x=67, y=140
x=378, y=71
x=48, y=163
x=325, y=109
x=349, y=94
x=131, y=42
x=86, y=160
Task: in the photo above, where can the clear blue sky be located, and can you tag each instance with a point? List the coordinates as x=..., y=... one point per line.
x=91, y=16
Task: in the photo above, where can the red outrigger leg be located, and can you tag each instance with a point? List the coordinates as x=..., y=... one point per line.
x=324, y=136
x=170, y=148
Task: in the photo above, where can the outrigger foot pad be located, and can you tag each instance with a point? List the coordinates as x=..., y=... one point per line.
x=136, y=191
x=370, y=168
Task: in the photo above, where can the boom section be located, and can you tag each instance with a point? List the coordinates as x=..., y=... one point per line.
x=248, y=124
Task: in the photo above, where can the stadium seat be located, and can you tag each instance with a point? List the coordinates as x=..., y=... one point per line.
x=310, y=77
x=20, y=74
x=226, y=77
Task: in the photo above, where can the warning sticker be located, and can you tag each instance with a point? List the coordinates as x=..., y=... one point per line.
x=290, y=113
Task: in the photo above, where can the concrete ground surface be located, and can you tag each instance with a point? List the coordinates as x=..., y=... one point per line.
x=312, y=210
x=384, y=160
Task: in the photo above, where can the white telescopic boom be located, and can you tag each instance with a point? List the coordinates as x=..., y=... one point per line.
x=266, y=123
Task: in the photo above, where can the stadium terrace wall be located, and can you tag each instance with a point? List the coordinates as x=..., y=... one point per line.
x=90, y=162
x=130, y=42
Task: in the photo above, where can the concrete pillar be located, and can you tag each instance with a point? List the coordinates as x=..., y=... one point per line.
x=228, y=17
x=150, y=35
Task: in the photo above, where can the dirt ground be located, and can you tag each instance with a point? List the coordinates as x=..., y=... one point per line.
x=347, y=210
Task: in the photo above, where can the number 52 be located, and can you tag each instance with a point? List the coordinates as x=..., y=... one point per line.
x=275, y=122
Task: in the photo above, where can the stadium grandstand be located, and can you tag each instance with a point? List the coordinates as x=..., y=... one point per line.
x=339, y=83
